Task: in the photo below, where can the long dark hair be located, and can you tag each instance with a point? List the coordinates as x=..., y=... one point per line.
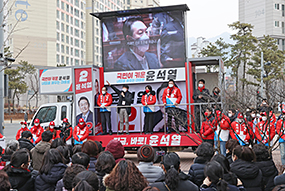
x=85, y=181
x=105, y=162
x=171, y=163
x=244, y=153
x=65, y=153
x=215, y=172
x=51, y=157
x=57, y=142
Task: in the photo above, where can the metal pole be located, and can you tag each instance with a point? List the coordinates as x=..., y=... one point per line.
x=262, y=74
x=1, y=71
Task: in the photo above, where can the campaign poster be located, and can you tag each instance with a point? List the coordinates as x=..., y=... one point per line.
x=147, y=41
x=136, y=118
x=96, y=93
x=55, y=81
x=84, y=96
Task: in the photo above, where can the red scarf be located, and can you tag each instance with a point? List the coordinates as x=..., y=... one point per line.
x=201, y=89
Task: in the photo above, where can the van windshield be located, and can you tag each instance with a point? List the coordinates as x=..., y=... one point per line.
x=46, y=114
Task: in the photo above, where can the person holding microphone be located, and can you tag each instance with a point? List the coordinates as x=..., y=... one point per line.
x=148, y=100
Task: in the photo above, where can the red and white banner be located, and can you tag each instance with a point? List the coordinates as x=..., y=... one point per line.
x=55, y=80
x=143, y=76
x=84, y=98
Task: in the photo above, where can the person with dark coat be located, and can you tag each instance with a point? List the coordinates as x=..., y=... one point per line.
x=20, y=176
x=25, y=140
x=90, y=147
x=51, y=171
x=230, y=145
x=266, y=165
x=201, y=95
x=174, y=178
x=215, y=179
x=104, y=166
x=229, y=177
x=245, y=169
x=117, y=149
x=125, y=99
x=204, y=153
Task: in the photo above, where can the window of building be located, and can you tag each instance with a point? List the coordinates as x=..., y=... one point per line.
x=76, y=52
x=57, y=14
x=283, y=10
x=57, y=58
x=82, y=54
x=67, y=60
x=71, y=30
x=57, y=36
x=67, y=18
x=128, y=2
x=67, y=8
x=277, y=6
x=67, y=39
x=67, y=50
x=82, y=34
x=277, y=41
x=62, y=59
x=71, y=61
x=71, y=40
x=82, y=62
x=76, y=3
x=62, y=5
x=97, y=22
x=76, y=32
x=97, y=40
x=67, y=29
x=76, y=62
x=97, y=31
x=62, y=48
x=62, y=37
x=57, y=3
x=71, y=20
x=71, y=51
x=76, y=22
x=57, y=25
x=62, y=27
x=76, y=12
x=97, y=58
x=277, y=23
x=62, y=16
x=82, y=5
x=82, y=25
x=82, y=15
x=71, y=10
x=283, y=28
x=76, y=42
x=283, y=42
x=57, y=47
x=82, y=44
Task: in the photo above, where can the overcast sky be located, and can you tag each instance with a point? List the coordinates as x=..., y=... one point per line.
x=208, y=18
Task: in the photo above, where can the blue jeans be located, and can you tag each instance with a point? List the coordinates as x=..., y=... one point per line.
x=282, y=152
x=222, y=147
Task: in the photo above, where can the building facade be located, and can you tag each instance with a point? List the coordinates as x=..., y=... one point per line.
x=267, y=17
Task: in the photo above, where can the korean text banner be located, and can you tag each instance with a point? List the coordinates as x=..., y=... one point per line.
x=54, y=81
x=144, y=42
x=149, y=76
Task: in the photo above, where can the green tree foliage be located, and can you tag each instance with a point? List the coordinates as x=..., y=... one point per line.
x=17, y=78
x=272, y=72
x=242, y=50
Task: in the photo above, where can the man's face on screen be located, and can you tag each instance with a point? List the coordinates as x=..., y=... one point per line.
x=139, y=29
x=140, y=38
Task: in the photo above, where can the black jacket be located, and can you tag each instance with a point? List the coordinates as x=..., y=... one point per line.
x=229, y=157
x=278, y=180
x=20, y=179
x=230, y=178
x=128, y=99
x=47, y=182
x=205, y=93
x=249, y=174
x=269, y=171
x=184, y=183
x=196, y=171
x=25, y=143
x=213, y=187
x=100, y=176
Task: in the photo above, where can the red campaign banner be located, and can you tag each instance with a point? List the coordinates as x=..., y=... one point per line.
x=156, y=140
x=83, y=80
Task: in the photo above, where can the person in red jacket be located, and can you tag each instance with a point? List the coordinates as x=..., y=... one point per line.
x=264, y=131
x=56, y=133
x=207, y=128
x=23, y=128
x=239, y=130
x=37, y=131
x=66, y=131
x=148, y=100
x=104, y=100
x=80, y=132
x=171, y=98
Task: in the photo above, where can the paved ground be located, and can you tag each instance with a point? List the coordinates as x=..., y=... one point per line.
x=186, y=156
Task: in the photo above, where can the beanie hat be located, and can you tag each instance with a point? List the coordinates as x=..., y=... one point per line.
x=145, y=153
x=116, y=148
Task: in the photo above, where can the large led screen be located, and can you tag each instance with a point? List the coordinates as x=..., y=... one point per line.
x=143, y=42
